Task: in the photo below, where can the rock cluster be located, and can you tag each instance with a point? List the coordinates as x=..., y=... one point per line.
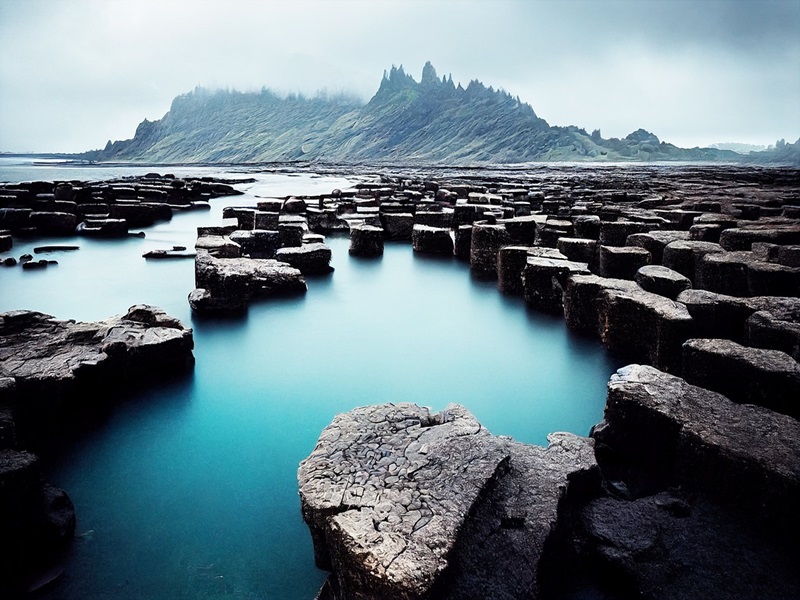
x=53, y=374
x=693, y=273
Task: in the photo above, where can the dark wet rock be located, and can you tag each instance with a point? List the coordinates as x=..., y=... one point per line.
x=53, y=223
x=462, y=246
x=36, y=520
x=544, y=279
x=9, y=261
x=587, y=226
x=553, y=229
x=742, y=274
x=32, y=265
x=140, y=214
x=14, y=218
x=655, y=242
x=103, y=228
x=788, y=256
x=294, y=206
x=684, y=256
x=743, y=238
x=394, y=512
x=64, y=367
x=745, y=457
x=615, y=233
x=432, y=240
x=522, y=230
x=366, y=240
x=581, y=299
x=218, y=245
x=433, y=218
x=292, y=232
x=769, y=378
x=487, y=239
x=645, y=327
x=230, y=284
x=511, y=263
x=662, y=281
x=398, y=227
x=169, y=253
x=245, y=217
x=257, y=243
x=621, y=262
x=309, y=259
x=764, y=329
x=58, y=248
x=666, y=547
x=578, y=249
x=6, y=241
x=266, y=220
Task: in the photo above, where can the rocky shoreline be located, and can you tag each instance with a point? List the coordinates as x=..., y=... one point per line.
x=58, y=374
x=688, y=487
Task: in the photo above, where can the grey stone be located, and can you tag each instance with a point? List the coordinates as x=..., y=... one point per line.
x=366, y=240
x=621, y=262
x=432, y=240
x=662, y=281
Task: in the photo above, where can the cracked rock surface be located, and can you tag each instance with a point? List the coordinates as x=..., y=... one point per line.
x=390, y=495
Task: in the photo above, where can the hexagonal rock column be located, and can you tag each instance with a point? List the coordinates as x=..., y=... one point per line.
x=622, y=262
x=366, y=240
x=769, y=378
x=432, y=240
x=647, y=327
x=655, y=242
x=544, y=279
x=662, y=281
x=684, y=256
x=487, y=239
x=511, y=262
x=744, y=456
x=309, y=259
x=394, y=496
x=581, y=297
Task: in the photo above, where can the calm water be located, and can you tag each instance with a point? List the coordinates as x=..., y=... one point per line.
x=190, y=491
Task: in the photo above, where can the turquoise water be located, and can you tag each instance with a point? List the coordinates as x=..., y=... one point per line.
x=189, y=491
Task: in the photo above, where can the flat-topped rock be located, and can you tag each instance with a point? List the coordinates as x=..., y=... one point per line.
x=742, y=238
x=684, y=256
x=311, y=258
x=366, y=240
x=662, y=281
x=622, y=262
x=655, y=242
x=386, y=492
x=746, y=375
x=487, y=239
x=432, y=240
x=544, y=279
x=402, y=503
x=745, y=457
x=56, y=364
x=643, y=326
x=582, y=293
x=229, y=284
x=218, y=246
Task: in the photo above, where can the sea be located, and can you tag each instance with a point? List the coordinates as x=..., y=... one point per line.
x=189, y=488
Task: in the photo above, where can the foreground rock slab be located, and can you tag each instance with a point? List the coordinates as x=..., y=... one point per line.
x=395, y=497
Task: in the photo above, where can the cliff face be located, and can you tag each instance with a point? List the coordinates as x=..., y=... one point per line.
x=433, y=121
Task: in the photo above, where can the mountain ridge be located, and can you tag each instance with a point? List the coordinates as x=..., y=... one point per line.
x=430, y=121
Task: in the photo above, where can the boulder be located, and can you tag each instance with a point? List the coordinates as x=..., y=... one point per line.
x=662, y=281
x=769, y=378
x=644, y=327
x=432, y=240
x=366, y=240
x=621, y=262
x=309, y=259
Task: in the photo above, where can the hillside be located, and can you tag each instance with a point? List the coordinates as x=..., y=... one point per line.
x=432, y=121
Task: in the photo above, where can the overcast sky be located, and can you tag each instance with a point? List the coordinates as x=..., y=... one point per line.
x=76, y=73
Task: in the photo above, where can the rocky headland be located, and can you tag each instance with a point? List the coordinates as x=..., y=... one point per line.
x=57, y=374
x=689, y=485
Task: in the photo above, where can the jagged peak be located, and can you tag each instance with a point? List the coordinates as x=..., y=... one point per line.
x=429, y=75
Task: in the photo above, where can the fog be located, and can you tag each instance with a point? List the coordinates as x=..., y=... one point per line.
x=74, y=74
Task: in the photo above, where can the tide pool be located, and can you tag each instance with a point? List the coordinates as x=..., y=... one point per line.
x=189, y=490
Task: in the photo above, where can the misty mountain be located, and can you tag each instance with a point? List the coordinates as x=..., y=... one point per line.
x=432, y=121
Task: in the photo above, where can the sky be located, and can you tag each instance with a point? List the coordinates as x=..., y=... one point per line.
x=77, y=73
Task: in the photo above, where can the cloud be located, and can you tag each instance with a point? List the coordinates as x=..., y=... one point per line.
x=75, y=74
